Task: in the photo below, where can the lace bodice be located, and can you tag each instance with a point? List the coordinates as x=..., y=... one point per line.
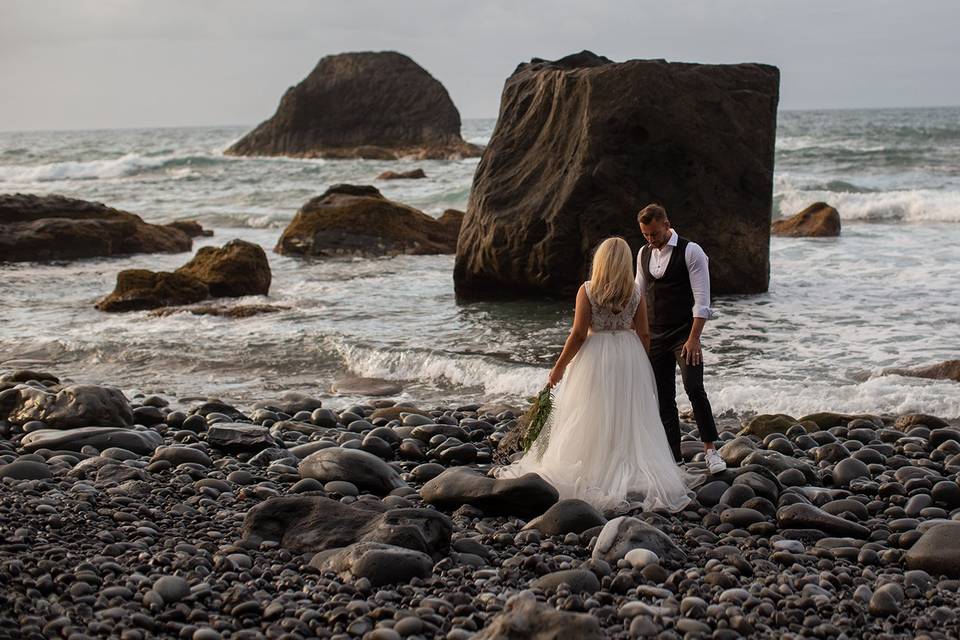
x=606, y=319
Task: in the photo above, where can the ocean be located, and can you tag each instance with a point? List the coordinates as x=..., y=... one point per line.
x=839, y=312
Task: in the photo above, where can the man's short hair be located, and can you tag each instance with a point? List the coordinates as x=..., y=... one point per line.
x=650, y=213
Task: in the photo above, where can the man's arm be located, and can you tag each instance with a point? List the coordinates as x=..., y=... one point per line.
x=698, y=268
x=639, y=278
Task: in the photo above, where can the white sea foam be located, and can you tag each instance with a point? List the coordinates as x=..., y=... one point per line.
x=913, y=205
x=125, y=165
x=493, y=377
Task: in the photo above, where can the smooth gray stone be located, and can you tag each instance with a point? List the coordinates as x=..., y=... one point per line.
x=178, y=455
x=578, y=580
x=567, y=516
x=622, y=534
x=238, y=437
x=526, y=497
x=139, y=441
x=379, y=563
x=79, y=405
x=26, y=470
x=807, y=516
x=363, y=469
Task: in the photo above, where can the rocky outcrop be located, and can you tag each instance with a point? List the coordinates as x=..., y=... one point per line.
x=362, y=105
x=238, y=268
x=57, y=228
x=358, y=221
x=581, y=144
x=190, y=227
x=69, y=407
x=946, y=370
x=221, y=310
x=819, y=220
x=413, y=174
x=141, y=289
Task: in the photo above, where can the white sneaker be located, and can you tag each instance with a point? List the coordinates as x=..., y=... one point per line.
x=715, y=463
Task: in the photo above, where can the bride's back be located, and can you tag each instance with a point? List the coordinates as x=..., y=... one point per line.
x=609, y=318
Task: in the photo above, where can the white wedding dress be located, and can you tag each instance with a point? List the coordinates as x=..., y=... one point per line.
x=604, y=442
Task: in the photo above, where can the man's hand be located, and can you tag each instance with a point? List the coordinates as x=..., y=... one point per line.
x=691, y=353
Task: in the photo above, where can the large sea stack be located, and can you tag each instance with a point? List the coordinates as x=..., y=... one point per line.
x=581, y=144
x=362, y=105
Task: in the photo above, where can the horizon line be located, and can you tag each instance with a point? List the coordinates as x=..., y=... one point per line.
x=210, y=126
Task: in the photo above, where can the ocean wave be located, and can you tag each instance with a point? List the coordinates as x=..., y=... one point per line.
x=915, y=205
x=127, y=165
x=443, y=368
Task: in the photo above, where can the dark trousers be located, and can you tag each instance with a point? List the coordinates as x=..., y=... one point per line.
x=665, y=347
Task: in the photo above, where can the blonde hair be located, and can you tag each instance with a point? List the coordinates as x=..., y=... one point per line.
x=611, y=278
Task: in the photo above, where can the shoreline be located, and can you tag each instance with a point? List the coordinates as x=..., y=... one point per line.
x=218, y=521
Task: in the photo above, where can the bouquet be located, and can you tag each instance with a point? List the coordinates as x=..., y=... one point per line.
x=536, y=418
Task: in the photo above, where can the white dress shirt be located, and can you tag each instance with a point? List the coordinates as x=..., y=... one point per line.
x=697, y=267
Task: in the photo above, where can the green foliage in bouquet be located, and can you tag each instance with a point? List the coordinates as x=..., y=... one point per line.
x=537, y=416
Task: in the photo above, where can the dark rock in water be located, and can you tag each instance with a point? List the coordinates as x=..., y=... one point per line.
x=807, y=516
x=379, y=563
x=355, y=386
x=947, y=370
x=237, y=437
x=190, y=227
x=597, y=141
x=358, y=221
x=53, y=227
x=523, y=618
x=315, y=523
x=221, y=310
x=138, y=441
x=413, y=174
x=362, y=105
x=238, y=268
x=363, y=469
x=577, y=579
x=141, y=289
x=77, y=405
x=567, y=516
x=25, y=470
x=819, y=220
x=526, y=496
x=623, y=534
x=26, y=375
x=937, y=551
x=292, y=403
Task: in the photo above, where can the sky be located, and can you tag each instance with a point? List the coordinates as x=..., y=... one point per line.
x=85, y=64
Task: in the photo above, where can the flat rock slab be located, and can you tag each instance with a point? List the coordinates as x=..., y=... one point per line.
x=139, y=441
x=81, y=405
x=316, y=523
x=238, y=437
x=380, y=563
x=527, y=496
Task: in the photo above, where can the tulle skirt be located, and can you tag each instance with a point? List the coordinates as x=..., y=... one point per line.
x=604, y=442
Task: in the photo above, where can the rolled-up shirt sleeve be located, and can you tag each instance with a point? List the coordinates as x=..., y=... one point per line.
x=639, y=278
x=699, y=270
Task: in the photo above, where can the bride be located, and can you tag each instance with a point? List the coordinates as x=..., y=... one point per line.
x=603, y=441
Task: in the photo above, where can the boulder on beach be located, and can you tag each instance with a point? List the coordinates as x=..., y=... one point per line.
x=623, y=534
x=527, y=496
x=53, y=227
x=142, y=289
x=316, y=523
x=238, y=268
x=819, y=220
x=946, y=370
x=524, y=618
x=379, y=563
x=582, y=144
x=363, y=469
x=413, y=174
x=139, y=441
x=937, y=550
x=81, y=405
x=362, y=105
x=358, y=221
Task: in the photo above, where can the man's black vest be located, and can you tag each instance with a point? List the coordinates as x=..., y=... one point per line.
x=669, y=298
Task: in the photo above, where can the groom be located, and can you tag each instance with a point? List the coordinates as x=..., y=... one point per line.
x=673, y=276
